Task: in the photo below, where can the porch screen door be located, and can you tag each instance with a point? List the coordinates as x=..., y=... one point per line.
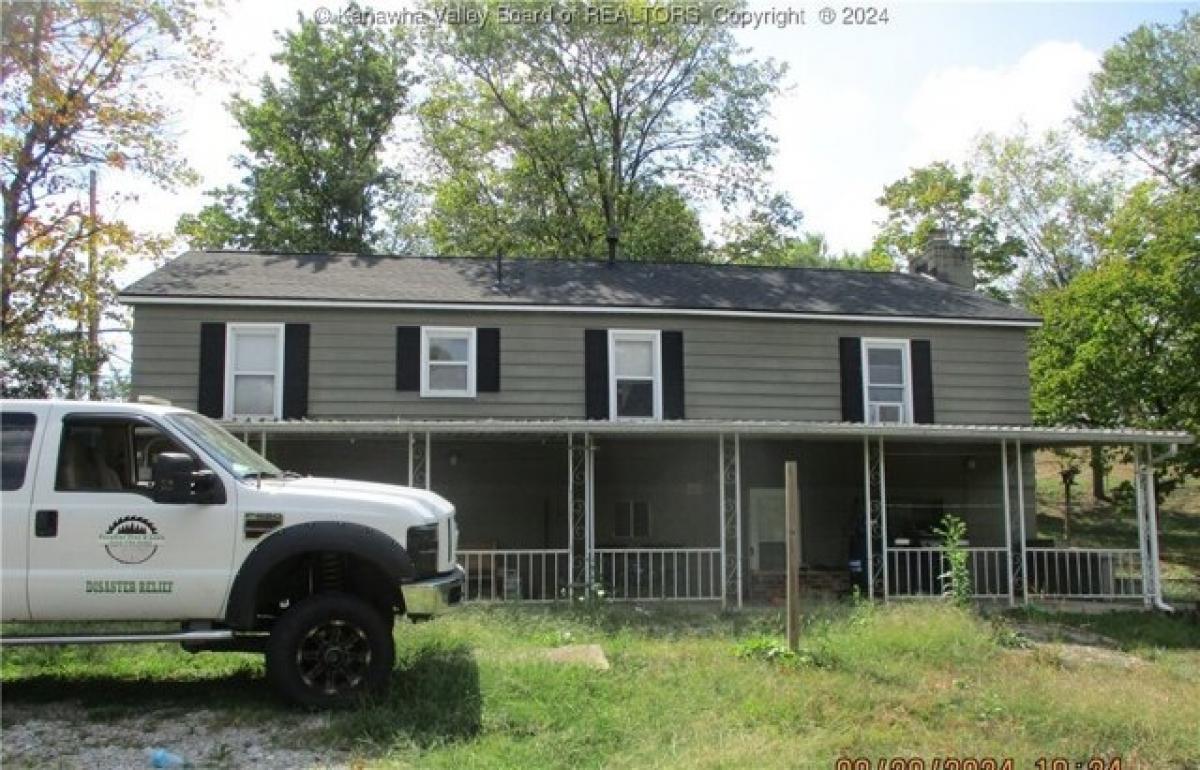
x=768, y=547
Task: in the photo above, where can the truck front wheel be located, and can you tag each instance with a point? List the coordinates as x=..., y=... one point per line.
x=330, y=649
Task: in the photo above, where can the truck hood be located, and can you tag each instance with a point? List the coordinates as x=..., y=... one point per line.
x=335, y=494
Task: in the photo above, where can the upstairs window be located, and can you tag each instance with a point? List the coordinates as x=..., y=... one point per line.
x=635, y=380
x=448, y=361
x=886, y=381
x=254, y=371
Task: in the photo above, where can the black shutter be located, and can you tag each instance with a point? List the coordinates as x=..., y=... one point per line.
x=295, y=371
x=210, y=395
x=595, y=373
x=672, y=372
x=850, y=349
x=922, y=381
x=408, y=358
x=487, y=360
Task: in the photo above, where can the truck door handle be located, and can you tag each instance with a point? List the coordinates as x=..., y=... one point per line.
x=45, y=524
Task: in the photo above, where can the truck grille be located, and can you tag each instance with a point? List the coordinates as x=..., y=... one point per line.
x=423, y=549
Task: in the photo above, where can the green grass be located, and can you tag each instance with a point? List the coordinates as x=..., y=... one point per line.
x=471, y=690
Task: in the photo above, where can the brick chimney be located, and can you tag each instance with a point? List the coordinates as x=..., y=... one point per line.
x=944, y=261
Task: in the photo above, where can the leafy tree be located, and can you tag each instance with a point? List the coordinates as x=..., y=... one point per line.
x=71, y=100
x=939, y=197
x=1041, y=192
x=314, y=177
x=771, y=235
x=1145, y=100
x=1120, y=343
x=551, y=136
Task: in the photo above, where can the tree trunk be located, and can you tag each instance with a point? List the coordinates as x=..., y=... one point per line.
x=1098, y=490
x=1066, y=512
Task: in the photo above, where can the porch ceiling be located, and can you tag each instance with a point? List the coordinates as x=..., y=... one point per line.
x=1032, y=435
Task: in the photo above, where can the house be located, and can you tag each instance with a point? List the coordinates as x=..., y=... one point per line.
x=626, y=425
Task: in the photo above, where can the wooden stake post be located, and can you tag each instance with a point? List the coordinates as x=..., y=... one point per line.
x=792, y=508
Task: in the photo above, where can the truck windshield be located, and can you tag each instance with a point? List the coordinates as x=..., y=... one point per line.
x=224, y=447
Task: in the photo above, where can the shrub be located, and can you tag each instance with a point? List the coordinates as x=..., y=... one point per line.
x=956, y=580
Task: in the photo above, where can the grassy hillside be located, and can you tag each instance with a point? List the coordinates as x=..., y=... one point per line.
x=1105, y=523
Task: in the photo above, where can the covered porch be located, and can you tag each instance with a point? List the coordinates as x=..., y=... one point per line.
x=692, y=510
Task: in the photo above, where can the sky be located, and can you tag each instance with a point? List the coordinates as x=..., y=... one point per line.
x=861, y=104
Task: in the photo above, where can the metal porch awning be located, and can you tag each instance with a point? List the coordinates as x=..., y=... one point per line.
x=1030, y=435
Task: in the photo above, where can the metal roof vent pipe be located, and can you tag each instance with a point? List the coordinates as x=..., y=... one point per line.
x=613, y=237
x=944, y=261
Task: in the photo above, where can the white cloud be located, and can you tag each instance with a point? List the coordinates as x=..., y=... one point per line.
x=840, y=143
x=820, y=159
x=952, y=107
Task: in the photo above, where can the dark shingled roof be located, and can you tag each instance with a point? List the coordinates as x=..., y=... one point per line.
x=669, y=286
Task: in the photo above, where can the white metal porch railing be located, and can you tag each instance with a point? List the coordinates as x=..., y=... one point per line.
x=531, y=574
x=659, y=573
x=918, y=571
x=1084, y=573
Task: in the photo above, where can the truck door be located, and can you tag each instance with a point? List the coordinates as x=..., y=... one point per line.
x=19, y=425
x=103, y=549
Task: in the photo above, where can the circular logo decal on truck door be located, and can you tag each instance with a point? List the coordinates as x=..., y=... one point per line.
x=131, y=539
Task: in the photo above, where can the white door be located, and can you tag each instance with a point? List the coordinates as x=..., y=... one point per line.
x=18, y=447
x=768, y=529
x=112, y=552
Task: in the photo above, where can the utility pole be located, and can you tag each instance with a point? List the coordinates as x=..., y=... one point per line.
x=91, y=304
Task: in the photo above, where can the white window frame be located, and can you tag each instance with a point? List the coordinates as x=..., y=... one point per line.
x=905, y=348
x=654, y=336
x=467, y=332
x=231, y=332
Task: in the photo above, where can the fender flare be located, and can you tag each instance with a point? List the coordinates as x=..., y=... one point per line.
x=363, y=542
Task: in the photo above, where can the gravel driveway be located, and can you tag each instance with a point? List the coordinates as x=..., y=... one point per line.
x=67, y=735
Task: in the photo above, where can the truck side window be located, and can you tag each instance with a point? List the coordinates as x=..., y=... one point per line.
x=109, y=455
x=94, y=456
x=16, y=429
x=148, y=443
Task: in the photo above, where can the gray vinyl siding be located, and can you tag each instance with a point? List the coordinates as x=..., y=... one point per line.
x=734, y=368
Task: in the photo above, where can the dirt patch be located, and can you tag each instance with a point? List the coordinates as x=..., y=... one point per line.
x=589, y=655
x=1056, y=632
x=1075, y=647
x=65, y=735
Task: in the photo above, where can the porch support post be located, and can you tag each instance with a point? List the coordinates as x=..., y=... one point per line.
x=729, y=470
x=589, y=498
x=418, y=460
x=1139, y=488
x=428, y=461
x=868, y=566
x=721, y=516
x=1152, y=527
x=262, y=443
x=883, y=531
x=577, y=510
x=1147, y=524
x=1021, y=565
x=737, y=505
x=1008, y=538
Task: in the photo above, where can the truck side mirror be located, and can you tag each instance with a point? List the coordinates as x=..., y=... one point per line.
x=178, y=482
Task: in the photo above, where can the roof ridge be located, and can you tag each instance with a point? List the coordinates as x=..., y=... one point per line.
x=599, y=262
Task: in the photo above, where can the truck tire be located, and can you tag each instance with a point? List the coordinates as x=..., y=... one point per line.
x=329, y=650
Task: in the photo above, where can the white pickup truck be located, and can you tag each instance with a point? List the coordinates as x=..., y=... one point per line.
x=139, y=512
